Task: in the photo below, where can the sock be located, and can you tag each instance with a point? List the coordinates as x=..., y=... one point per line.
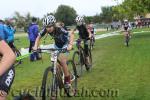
x=67, y=79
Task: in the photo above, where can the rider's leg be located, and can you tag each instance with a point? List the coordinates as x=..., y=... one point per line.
x=86, y=51
x=63, y=61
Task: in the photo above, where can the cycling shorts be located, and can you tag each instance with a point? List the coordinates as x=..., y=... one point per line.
x=7, y=79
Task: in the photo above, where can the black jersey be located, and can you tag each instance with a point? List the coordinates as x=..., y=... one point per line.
x=60, y=36
x=83, y=31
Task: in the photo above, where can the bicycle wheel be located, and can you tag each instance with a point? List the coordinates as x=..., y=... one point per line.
x=78, y=62
x=17, y=53
x=73, y=74
x=49, y=86
x=91, y=43
x=127, y=40
x=88, y=67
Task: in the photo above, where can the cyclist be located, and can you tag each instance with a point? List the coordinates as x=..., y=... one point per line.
x=92, y=30
x=62, y=40
x=84, y=34
x=126, y=29
x=7, y=72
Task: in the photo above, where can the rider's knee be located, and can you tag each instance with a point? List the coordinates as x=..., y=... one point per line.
x=63, y=61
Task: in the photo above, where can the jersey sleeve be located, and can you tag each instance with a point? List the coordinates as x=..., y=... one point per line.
x=42, y=33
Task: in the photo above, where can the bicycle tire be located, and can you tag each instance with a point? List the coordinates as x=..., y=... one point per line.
x=49, y=89
x=90, y=59
x=78, y=63
x=127, y=40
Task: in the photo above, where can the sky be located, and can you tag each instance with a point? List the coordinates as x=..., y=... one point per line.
x=39, y=8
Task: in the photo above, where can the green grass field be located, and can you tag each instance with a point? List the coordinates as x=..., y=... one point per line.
x=116, y=69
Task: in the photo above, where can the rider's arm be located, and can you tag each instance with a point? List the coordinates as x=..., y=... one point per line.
x=71, y=38
x=37, y=41
x=8, y=57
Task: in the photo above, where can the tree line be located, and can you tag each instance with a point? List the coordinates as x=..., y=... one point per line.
x=128, y=9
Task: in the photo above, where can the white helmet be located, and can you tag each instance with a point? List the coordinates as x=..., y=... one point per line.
x=49, y=20
x=79, y=19
x=125, y=20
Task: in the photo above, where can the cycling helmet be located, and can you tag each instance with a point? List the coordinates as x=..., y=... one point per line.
x=125, y=20
x=79, y=19
x=49, y=20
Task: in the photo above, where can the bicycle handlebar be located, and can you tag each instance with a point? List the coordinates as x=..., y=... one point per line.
x=51, y=49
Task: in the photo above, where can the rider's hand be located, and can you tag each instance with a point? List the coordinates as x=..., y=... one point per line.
x=35, y=48
x=69, y=47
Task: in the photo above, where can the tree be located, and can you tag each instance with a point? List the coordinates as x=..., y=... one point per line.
x=97, y=19
x=24, y=21
x=106, y=14
x=65, y=14
x=20, y=20
x=130, y=8
x=88, y=19
x=28, y=19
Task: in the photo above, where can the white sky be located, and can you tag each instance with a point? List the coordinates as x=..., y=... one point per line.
x=40, y=7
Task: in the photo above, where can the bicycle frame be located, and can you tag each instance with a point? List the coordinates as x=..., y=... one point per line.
x=54, y=60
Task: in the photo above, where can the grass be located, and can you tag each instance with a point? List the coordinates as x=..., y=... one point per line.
x=116, y=68
x=23, y=41
x=104, y=32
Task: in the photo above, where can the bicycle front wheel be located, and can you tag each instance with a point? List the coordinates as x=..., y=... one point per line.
x=88, y=67
x=49, y=88
x=78, y=63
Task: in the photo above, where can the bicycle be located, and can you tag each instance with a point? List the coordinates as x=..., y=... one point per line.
x=79, y=59
x=53, y=78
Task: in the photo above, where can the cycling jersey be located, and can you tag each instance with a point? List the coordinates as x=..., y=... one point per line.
x=91, y=29
x=3, y=31
x=83, y=32
x=60, y=36
x=10, y=34
x=126, y=26
x=6, y=79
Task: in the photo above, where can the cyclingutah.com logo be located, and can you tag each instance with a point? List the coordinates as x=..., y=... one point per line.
x=82, y=92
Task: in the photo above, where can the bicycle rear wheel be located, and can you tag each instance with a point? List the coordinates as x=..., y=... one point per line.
x=78, y=63
x=49, y=88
